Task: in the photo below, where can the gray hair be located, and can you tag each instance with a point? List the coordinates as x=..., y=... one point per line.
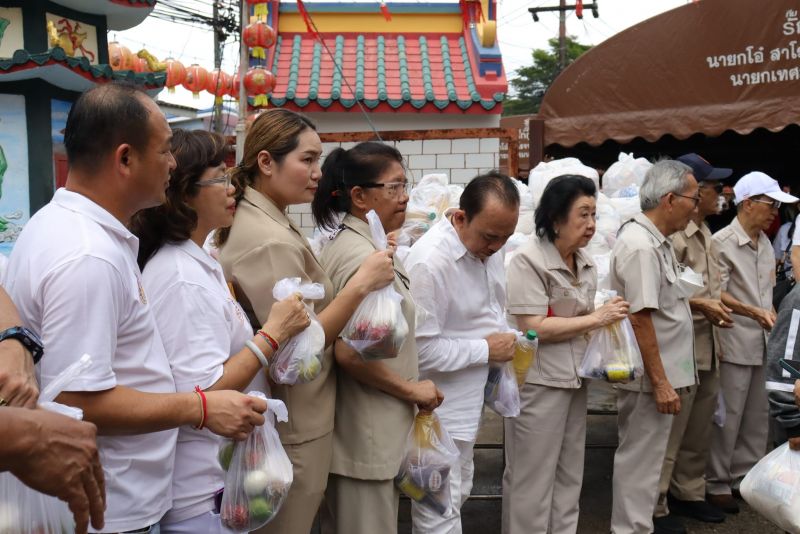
x=664, y=177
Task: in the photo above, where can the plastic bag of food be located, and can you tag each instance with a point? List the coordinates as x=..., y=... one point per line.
x=22, y=509
x=299, y=360
x=772, y=488
x=428, y=199
x=501, y=392
x=377, y=329
x=259, y=473
x=625, y=172
x=613, y=353
x=425, y=471
x=545, y=171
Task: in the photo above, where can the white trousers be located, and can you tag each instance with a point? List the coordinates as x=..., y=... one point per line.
x=643, y=436
x=425, y=520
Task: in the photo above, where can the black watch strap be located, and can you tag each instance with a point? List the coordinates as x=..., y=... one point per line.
x=28, y=339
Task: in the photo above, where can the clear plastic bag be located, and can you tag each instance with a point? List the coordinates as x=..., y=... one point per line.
x=259, y=473
x=772, y=488
x=300, y=359
x=613, y=354
x=24, y=510
x=378, y=328
x=430, y=455
x=501, y=392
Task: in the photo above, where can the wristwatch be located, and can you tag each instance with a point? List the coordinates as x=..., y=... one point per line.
x=29, y=340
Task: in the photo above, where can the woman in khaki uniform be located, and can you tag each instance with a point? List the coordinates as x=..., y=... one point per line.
x=376, y=399
x=551, y=289
x=280, y=168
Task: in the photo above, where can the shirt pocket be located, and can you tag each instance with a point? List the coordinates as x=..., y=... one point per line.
x=564, y=301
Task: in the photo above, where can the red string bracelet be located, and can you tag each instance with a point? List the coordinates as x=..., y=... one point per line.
x=202, y=407
x=270, y=340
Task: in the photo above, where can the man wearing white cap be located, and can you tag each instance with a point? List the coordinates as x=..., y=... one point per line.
x=747, y=275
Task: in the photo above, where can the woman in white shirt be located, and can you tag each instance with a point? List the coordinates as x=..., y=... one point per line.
x=207, y=337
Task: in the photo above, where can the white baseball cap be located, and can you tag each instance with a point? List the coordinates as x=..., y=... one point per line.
x=757, y=183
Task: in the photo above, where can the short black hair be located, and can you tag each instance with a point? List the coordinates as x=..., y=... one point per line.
x=557, y=199
x=103, y=118
x=495, y=183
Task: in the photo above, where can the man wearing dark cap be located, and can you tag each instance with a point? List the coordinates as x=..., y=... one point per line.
x=682, y=484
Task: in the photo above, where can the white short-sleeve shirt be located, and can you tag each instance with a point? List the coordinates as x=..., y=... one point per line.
x=201, y=326
x=74, y=279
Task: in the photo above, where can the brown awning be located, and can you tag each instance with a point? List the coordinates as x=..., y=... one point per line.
x=705, y=67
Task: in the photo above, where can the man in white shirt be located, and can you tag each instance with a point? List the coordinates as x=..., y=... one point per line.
x=458, y=280
x=74, y=278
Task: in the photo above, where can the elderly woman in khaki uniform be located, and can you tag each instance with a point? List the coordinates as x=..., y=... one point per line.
x=551, y=289
x=281, y=167
x=375, y=400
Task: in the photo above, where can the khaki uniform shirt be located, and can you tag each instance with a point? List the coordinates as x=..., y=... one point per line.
x=371, y=426
x=694, y=248
x=538, y=281
x=645, y=272
x=748, y=274
x=264, y=247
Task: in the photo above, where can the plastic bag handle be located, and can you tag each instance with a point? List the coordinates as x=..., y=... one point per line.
x=377, y=231
x=275, y=406
x=65, y=379
x=285, y=287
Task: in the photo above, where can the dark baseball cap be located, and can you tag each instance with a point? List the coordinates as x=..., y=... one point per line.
x=703, y=170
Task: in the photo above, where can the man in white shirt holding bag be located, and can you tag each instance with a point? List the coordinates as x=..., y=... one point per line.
x=458, y=280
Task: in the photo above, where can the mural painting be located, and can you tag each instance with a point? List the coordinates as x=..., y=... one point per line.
x=14, y=192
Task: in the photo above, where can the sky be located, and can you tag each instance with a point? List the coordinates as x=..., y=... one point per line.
x=517, y=33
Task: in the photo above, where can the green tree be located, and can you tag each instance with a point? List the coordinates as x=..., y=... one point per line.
x=530, y=83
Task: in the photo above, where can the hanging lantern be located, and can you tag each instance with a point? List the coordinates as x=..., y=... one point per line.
x=219, y=84
x=234, y=87
x=258, y=82
x=196, y=79
x=119, y=57
x=140, y=64
x=176, y=73
x=258, y=36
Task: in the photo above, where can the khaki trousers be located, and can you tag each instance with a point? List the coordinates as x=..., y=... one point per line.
x=311, y=462
x=737, y=446
x=361, y=506
x=544, y=461
x=643, y=435
x=684, y=469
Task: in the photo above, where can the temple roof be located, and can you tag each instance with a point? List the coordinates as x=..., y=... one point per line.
x=387, y=72
x=120, y=14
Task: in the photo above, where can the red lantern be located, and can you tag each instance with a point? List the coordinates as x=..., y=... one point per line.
x=219, y=84
x=196, y=79
x=234, y=87
x=119, y=57
x=140, y=64
x=259, y=35
x=176, y=73
x=258, y=82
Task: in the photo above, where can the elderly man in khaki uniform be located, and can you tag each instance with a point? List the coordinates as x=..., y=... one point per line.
x=646, y=273
x=682, y=488
x=747, y=266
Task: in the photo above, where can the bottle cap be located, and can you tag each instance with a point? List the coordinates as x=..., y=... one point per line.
x=531, y=334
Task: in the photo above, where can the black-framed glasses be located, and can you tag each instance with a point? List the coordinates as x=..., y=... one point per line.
x=716, y=187
x=776, y=204
x=393, y=188
x=224, y=180
x=695, y=199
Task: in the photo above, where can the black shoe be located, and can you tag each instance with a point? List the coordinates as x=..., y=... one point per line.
x=700, y=510
x=669, y=524
x=726, y=503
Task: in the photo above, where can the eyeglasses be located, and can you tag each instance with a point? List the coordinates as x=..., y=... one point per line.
x=716, y=187
x=393, y=188
x=776, y=204
x=695, y=199
x=224, y=180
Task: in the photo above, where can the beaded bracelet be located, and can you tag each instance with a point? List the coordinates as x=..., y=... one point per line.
x=202, y=407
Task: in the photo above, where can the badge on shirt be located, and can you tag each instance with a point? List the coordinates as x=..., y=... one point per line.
x=142, y=296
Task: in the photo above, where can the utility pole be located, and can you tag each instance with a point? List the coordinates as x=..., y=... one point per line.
x=562, y=9
x=244, y=60
x=217, y=64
